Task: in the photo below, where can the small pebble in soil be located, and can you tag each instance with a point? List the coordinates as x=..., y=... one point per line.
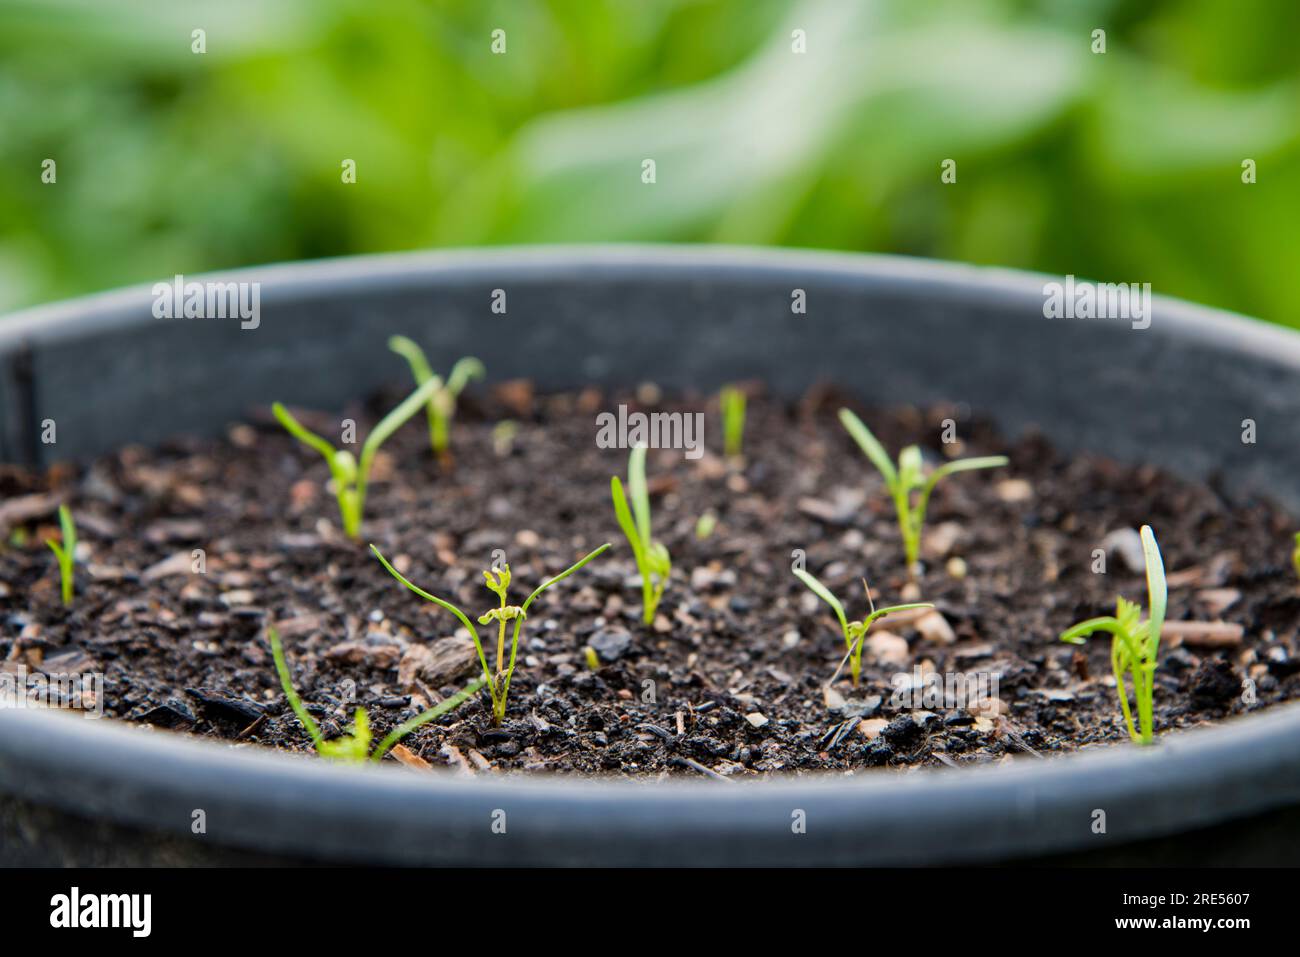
x=1281, y=662
x=611, y=644
x=1127, y=544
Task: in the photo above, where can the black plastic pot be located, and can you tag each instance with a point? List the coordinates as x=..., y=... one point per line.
x=896, y=330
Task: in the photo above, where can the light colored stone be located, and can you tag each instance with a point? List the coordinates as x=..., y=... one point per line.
x=934, y=627
x=887, y=647
x=872, y=727
x=1014, y=490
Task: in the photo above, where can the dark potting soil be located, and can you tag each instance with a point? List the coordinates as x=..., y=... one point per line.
x=731, y=679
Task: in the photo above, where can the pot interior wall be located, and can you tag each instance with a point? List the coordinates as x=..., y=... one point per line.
x=893, y=330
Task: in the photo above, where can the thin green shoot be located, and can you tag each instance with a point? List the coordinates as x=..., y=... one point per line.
x=652, y=559
x=909, y=488
x=354, y=746
x=732, y=401
x=705, y=525
x=442, y=404
x=497, y=581
x=855, y=632
x=66, y=553
x=592, y=659
x=504, y=434
x=1134, y=642
x=350, y=477
x=1295, y=555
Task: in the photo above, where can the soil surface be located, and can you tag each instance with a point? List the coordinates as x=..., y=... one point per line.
x=730, y=680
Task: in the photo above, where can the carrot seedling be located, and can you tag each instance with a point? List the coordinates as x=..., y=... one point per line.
x=906, y=478
x=442, y=404
x=65, y=553
x=855, y=632
x=652, y=560
x=354, y=747
x=732, y=401
x=498, y=582
x=1295, y=555
x=351, y=478
x=1134, y=642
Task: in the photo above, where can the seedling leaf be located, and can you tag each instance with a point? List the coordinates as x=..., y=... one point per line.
x=498, y=683
x=732, y=401
x=65, y=553
x=822, y=592
x=441, y=405
x=871, y=446
x=350, y=478
x=390, y=423
x=303, y=434
x=908, y=477
x=1157, y=591
x=855, y=632
x=638, y=492
x=1134, y=642
x=424, y=717
x=652, y=560
x=286, y=683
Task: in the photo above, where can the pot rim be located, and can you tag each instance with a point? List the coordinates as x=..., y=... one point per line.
x=105, y=310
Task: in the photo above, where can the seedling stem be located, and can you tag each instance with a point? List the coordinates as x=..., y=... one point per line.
x=907, y=478
x=65, y=553
x=1134, y=643
x=498, y=581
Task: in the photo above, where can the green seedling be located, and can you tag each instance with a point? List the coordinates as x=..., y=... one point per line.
x=65, y=553
x=354, y=747
x=592, y=659
x=907, y=485
x=1134, y=642
x=705, y=525
x=442, y=405
x=497, y=581
x=652, y=560
x=351, y=477
x=504, y=434
x=855, y=632
x=732, y=401
x=1295, y=555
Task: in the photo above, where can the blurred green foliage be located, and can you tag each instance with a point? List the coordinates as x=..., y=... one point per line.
x=1122, y=166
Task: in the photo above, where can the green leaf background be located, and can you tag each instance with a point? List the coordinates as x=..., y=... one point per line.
x=1120, y=167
